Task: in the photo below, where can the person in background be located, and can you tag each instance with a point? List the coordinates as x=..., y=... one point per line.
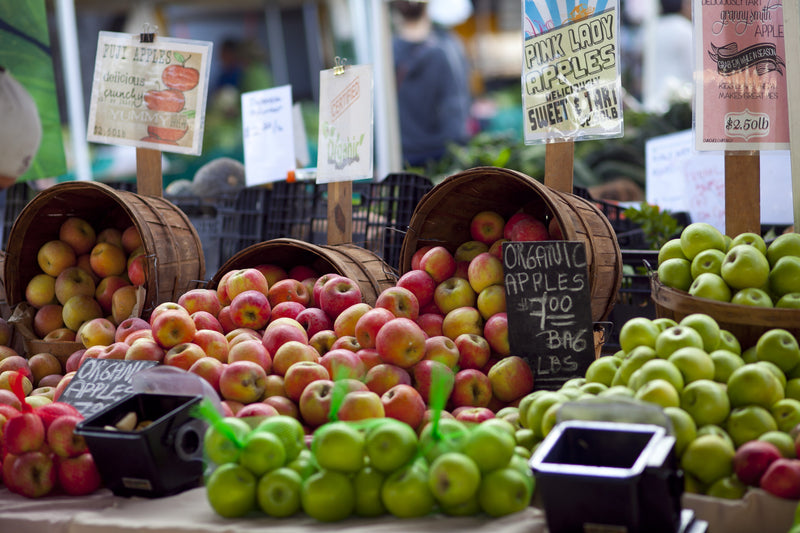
x=433, y=95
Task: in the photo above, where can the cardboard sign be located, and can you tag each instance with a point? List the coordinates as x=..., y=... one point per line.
x=268, y=133
x=571, y=84
x=740, y=74
x=98, y=383
x=149, y=95
x=549, y=308
x=345, y=124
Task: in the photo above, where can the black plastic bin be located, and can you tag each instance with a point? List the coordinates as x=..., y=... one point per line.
x=164, y=458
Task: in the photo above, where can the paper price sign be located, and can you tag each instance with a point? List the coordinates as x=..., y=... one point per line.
x=345, y=124
x=570, y=81
x=149, y=95
x=268, y=134
x=742, y=101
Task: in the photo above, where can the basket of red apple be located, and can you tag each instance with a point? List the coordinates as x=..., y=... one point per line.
x=82, y=250
x=747, y=285
x=475, y=211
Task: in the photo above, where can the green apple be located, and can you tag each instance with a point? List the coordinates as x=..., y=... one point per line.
x=489, y=448
x=656, y=369
x=790, y=300
x=367, y=484
x=710, y=286
x=699, y=236
x=573, y=393
x=694, y=363
x=670, y=250
x=231, y=490
x=223, y=440
x=751, y=239
x=390, y=444
x=684, y=427
x=745, y=266
x=754, y=384
x=785, y=275
x=676, y=273
x=499, y=424
x=527, y=400
x=660, y=392
x=748, y=423
x=406, y=493
x=602, y=370
x=728, y=242
x=521, y=465
x=708, y=458
x=749, y=355
x=706, y=326
x=778, y=346
x=783, y=245
x=636, y=358
x=449, y=436
x=776, y=371
x=594, y=389
x=713, y=429
x=510, y=414
x=786, y=413
x=338, y=446
x=262, y=452
x=676, y=337
x=729, y=488
x=725, y=363
x=783, y=441
x=752, y=296
x=638, y=331
x=692, y=485
x=525, y=437
x=792, y=388
x=328, y=496
x=289, y=430
x=728, y=341
x=504, y=491
x=278, y=492
x=522, y=451
x=537, y=409
x=617, y=391
x=454, y=478
x=707, y=261
x=664, y=323
x=550, y=417
x=572, y=382
x=304, y=464
x=706, y=402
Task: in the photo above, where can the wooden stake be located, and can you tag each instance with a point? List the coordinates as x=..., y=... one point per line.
x=559, y=165
x=340, y=212
x=791, y=24
x=149, y=180
x=742, y=192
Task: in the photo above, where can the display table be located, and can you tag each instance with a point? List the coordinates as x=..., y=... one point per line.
x=189, y=512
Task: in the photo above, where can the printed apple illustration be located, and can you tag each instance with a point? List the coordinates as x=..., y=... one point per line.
x=180, y=77
x=167, y=100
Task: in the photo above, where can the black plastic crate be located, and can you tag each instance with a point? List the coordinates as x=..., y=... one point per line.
x=14, y=199
x=243, y=219
x=633, y=298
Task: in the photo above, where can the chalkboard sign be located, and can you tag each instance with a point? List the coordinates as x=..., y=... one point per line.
x=549, y=308
x=98, y=383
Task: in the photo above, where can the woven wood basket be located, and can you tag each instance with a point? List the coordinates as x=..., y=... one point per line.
x=444, y=214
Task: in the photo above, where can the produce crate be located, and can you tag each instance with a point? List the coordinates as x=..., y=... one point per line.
x=13, y=199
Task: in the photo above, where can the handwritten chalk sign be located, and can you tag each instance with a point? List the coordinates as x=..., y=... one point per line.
x=99, y=383
x=549, y=308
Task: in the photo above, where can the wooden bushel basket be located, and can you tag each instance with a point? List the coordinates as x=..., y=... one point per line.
x=361, y=265
x=747, y=323
x=444, y=214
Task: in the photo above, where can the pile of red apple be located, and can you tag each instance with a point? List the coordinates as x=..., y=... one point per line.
x=40, y=451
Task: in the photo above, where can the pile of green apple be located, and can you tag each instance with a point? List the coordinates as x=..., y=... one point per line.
x=367, y=469
x=717, y=397
x=741, y=270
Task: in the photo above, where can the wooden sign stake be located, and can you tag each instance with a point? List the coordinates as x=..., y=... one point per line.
x=149, y=180
x=791, y=25
x=340, y=212
x=559, y=165
x=742, y=192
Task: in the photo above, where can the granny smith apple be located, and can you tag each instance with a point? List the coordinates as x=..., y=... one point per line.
x=700, y=236
x=390, y=444
x=706, y=402
x=792, y=388
x=748, y=423
x=594, y=388
x=664, y=323
x=713, y=429
x=638, y=331
x=708, y=458
x=728, y=341
x=328, y=496
x=406, y=493
x=751, y=239
x=778, y=346
x=304, y=464
x=223, y=440
x=339, y=446
x=706, y=326
x=657, y=369
x=367, y=485
x=278, y=492
x=786, y=413
x=783, y=245
x=670, y=250
x=676, y=273
x=728, y=487
x=790, y=300
x=752, y=296
x=707, y=261
x=710, y=286
x=694, y=363
x=525, y=438
x=454, y=478
x=636, y=358
x=449, y=437
x=676, y=337
x=660, y=392
x=617, y=391
x=489, y=448
x=785, y=275
x=602, y=370
x=745, y=266
x=262, y=452
x=725, y=363
x=231, y=490
x=504, y=491
x=289, y=430
x=782, y=440
x=749, y=355
x=684, y=427
x=754, y=384
x=537, y=409
x=776, y=371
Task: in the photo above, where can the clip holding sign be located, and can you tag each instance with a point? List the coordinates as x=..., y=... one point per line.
x=148, y=36
x=339, y=66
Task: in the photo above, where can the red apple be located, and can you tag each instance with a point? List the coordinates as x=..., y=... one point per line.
x=251, y=350
x=250, y=309
x=290, y=353
x=431, y=323
x=487, y=226
x=442, y=349
x=105, y=290
x=496, y=248
x=341, y=363
x=246, y=279
x=315, y=402
x=369, y=324
x=283, y=405
x=195, y=300
x=439, y=263
x=243, y=381
x=210, y=369
x=420, y=283
x=313, y=320
x=752, y=459
x=205, y=320
x=23, y=433
x=369, y=357
x=322, y=341
x=184, y=355
x=400, y=301
x=272, y=273
x=471, y=388
x=432, y=376
x=172, y=327
x=33, y=472
x=257, y=409
x=401, y=342
x=281, y=331
x=360, y=405
x=475, y=415
x=213, y=343
x=288, y=309
x=495, y=331
x=128, y=326
x=380, y=378
x=346, y=342
x=78, y=475
x=473, y=350
x=337, y=294
x=302, y=272
x=116, y=350
x=299, y=375
x=417, y=256
x=511, y=378
x=524, y=227
x=288, y=290
x=782, y=478
x=345, y=324
x=145, y=350
x=404, y=403
x=63, y=440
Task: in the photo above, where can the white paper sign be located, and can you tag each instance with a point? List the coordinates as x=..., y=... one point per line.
x=345, y=124
x=679, y=178
x=268, y=133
